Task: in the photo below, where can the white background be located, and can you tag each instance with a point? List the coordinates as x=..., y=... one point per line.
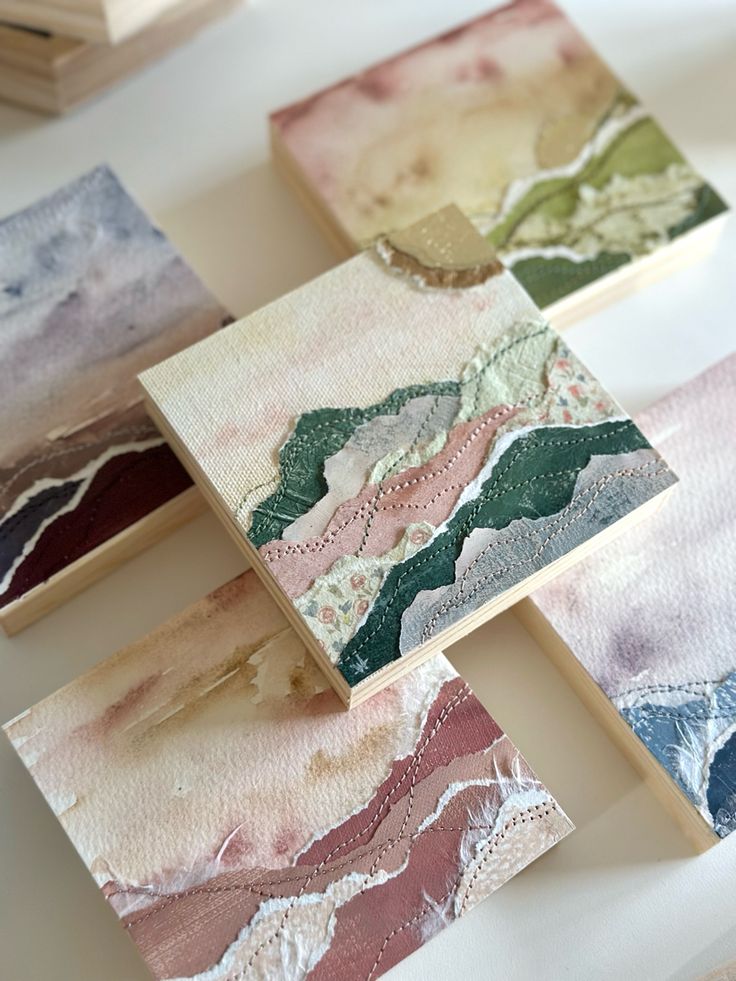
x=620, y=898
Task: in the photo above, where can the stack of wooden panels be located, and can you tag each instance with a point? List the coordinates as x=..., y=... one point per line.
x=52, y=58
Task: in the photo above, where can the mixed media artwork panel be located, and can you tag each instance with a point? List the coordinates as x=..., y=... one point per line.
x=399, y=450
x=650, y=617
x=242, y=824
x=90, y=294
x=514, y=117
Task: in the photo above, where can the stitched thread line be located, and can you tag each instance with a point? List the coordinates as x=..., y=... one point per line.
x=459, y=599
x=415, y=442
x=488, y=850
x=272, y=883
x=317, y=544
x=575, y=180
x=394, y=470
x=295, y=441
x=467, y=523
x=693, y=715
x=393, y=399
x=456, y=700
x=517, y=819
x=689, y=687
x=531, y=813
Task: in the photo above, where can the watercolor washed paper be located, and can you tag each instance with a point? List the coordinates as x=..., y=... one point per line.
x=90, y=293
x=243, y=825
x=515, y=118
x=397, y=451
x=651, y=617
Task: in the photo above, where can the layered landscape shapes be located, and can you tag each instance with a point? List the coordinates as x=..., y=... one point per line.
x=515, y=118
x=398, y=452
x=243, y=825
x=650, y=617
x=90, y=293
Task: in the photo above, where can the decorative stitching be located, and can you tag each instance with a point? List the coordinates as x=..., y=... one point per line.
x=693, y=714
x=280, y=550
x=517, y=819
x=393, y=399
x=299, y=439
x=489, y=850
x=271, y=883
x=480, y=502
x=575, y=180
x=691, y=687
x=460, y=599
x=414, y=443
x=533, y=812
x=456, y=700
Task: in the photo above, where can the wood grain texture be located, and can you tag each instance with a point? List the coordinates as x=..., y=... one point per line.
x=54, y=74
x=101, y=21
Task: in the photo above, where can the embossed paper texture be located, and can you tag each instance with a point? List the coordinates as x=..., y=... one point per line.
x=651, y=617
x=90, y=293
x=242, y=824
x=402, y=454
x=515, y=118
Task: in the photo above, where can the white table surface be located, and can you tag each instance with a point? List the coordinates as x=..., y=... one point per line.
x=622, y=897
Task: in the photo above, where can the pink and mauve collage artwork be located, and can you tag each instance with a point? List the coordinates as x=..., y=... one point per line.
x=242, y=824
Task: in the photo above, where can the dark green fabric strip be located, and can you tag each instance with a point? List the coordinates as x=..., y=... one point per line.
x=535, y=477
x=317, y=435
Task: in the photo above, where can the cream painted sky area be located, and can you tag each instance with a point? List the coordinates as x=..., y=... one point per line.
x=217, y=736
x=348, y=338
x=455, y=120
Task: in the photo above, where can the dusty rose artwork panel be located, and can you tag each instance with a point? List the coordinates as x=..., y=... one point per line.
x=242, y=824
x=650, y=617
x=91, y=292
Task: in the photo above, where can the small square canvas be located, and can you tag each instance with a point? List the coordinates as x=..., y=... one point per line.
x=90, y=294
x=514, y=117
x=242, y=825
x=649, y=620
x=403, y=448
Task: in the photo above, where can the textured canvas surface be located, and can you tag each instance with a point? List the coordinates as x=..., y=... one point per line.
x=242, y=824
x=400, y=453
x=90, y=294
x=651, y=616
x=515, y=118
